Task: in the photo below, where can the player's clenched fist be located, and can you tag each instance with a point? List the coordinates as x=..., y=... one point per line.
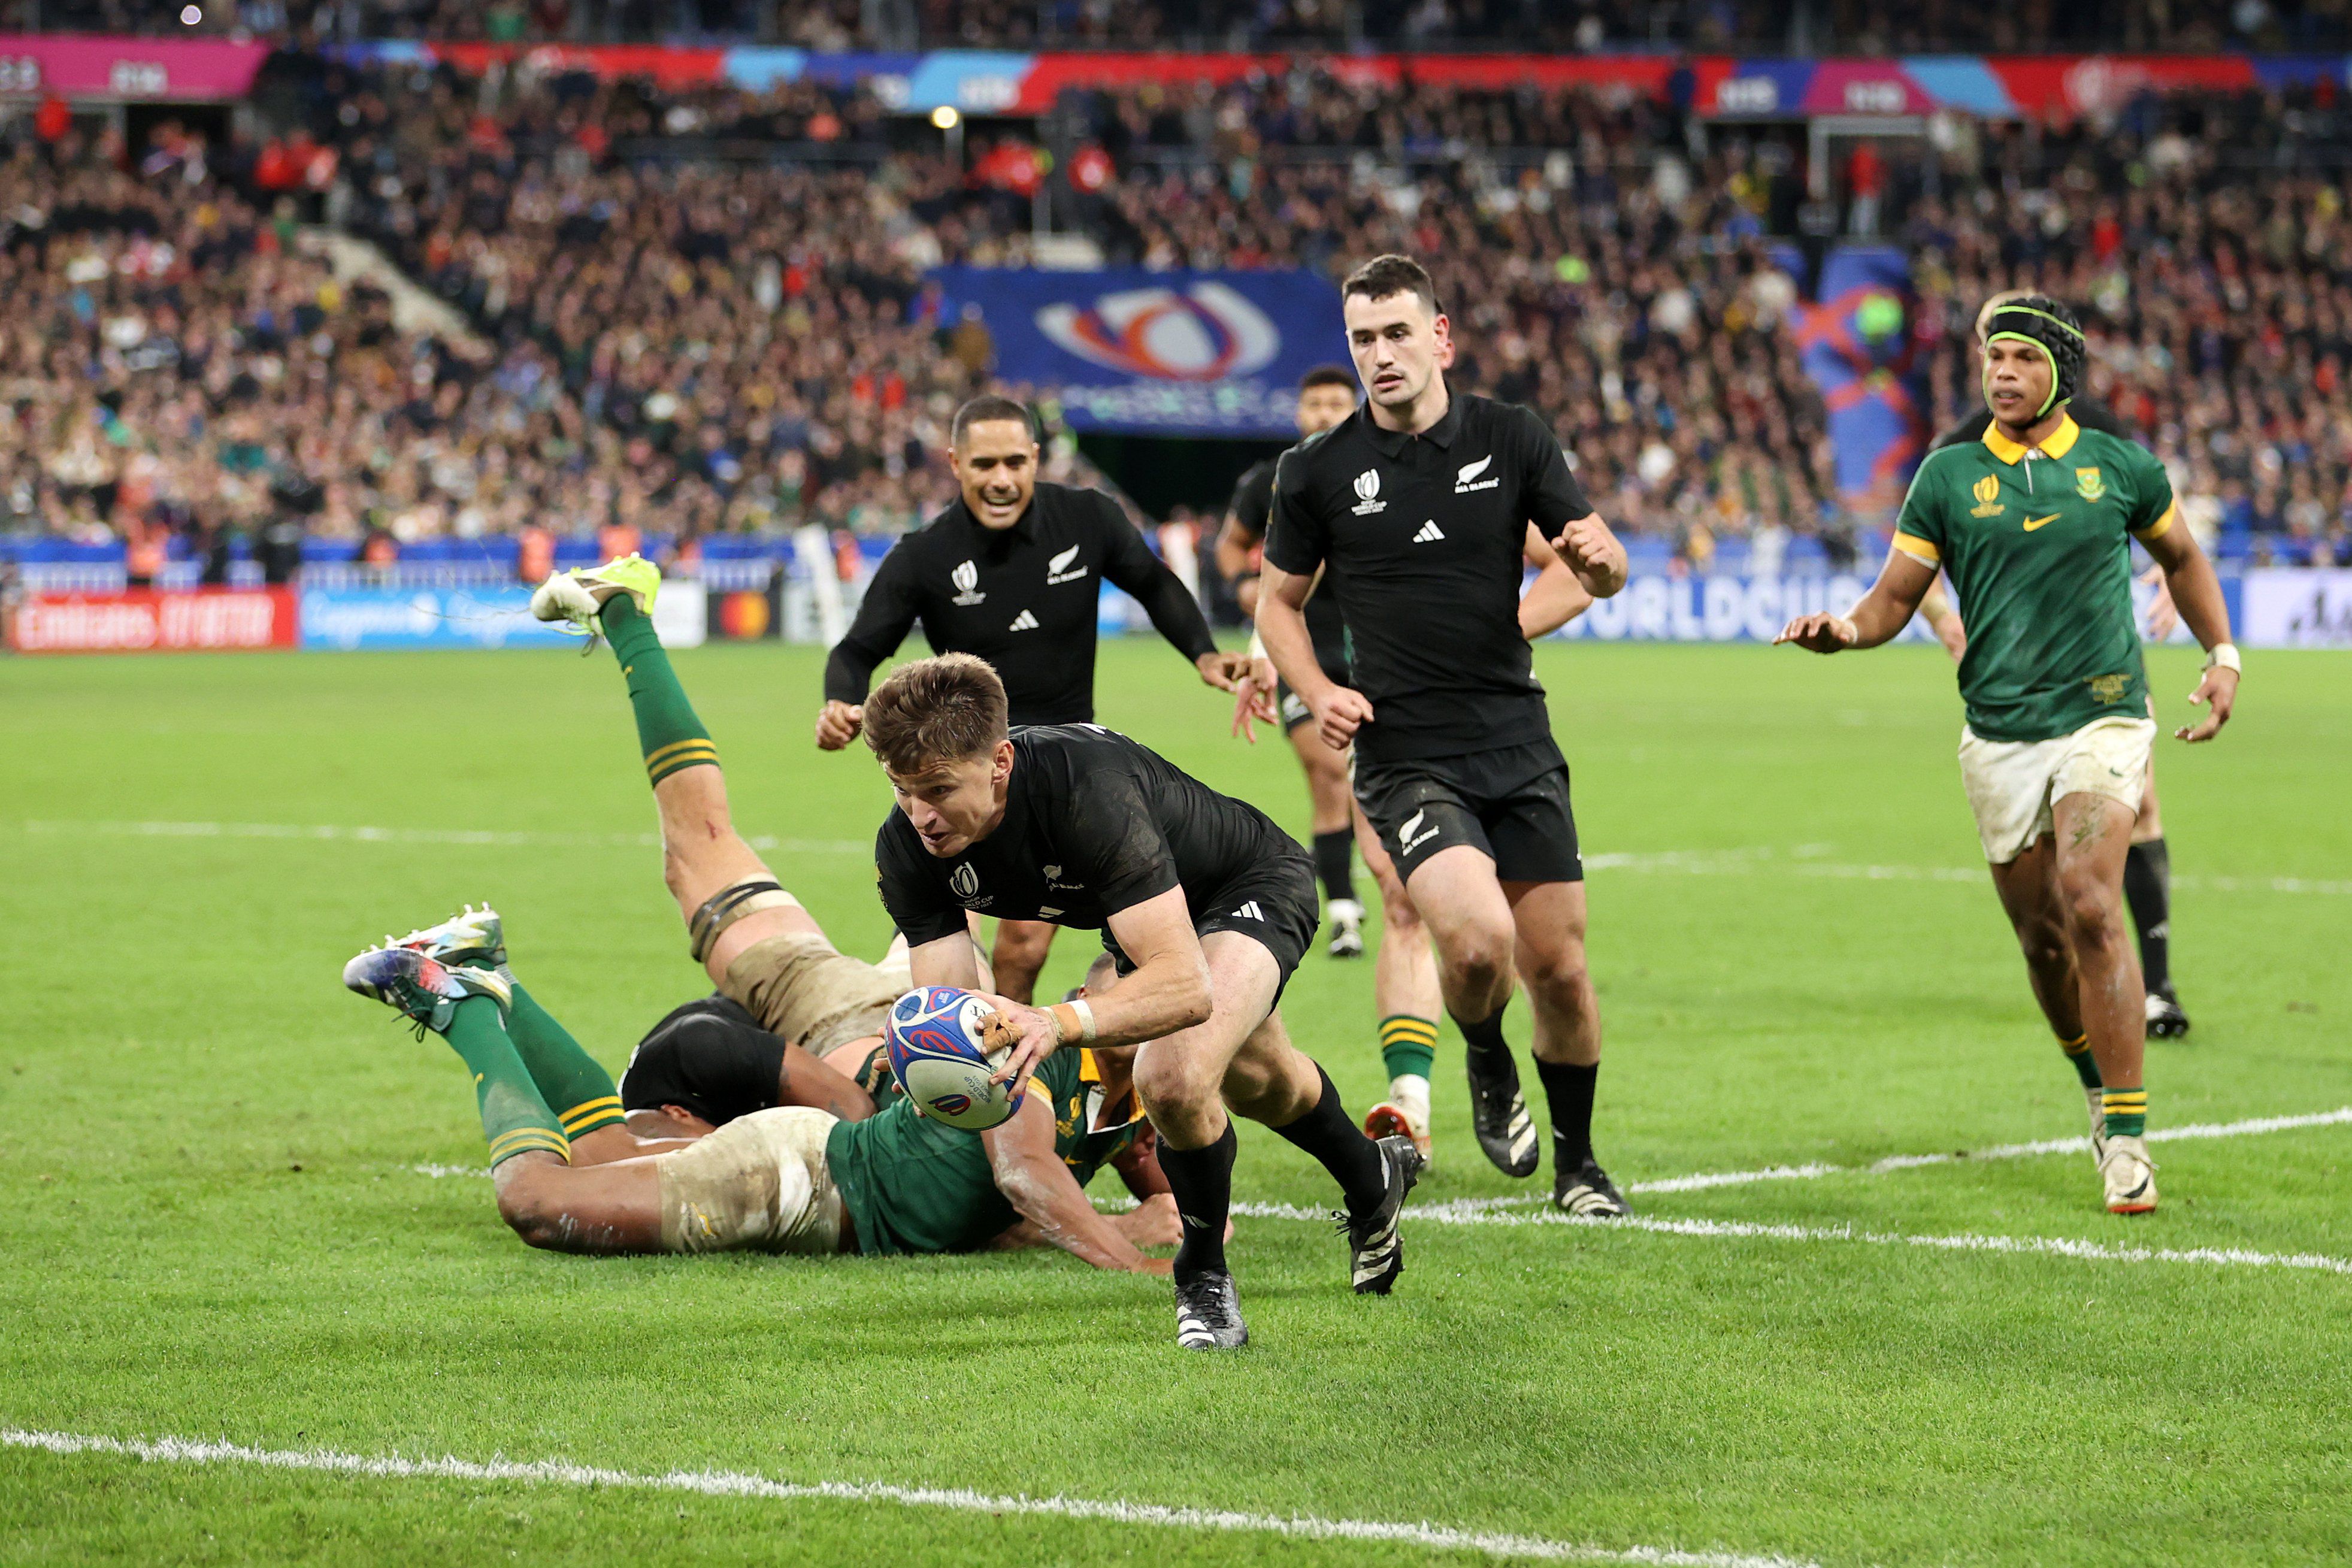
x=1339, y=712
x=1591, y=550
x=837, y=725
x=1821, y=633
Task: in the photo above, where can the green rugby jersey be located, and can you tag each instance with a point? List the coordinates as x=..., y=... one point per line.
x=912, y=1183
x=2037, y=542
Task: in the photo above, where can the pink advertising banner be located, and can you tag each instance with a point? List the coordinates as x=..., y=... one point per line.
x=74, y=65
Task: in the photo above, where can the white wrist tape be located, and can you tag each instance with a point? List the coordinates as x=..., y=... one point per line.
x=1258, y=646
x=2225, y=656
x=1086, y=1018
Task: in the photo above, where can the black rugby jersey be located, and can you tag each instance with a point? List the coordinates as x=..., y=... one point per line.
x=1024, y=598
x=1094, y=824
x=1252, y=502
x=1423, y=542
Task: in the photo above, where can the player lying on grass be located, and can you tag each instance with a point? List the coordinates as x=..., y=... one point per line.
x=1207, y=907
x=741, y=1143
x=2034, y=523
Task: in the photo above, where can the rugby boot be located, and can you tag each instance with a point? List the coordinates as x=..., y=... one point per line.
x=1347, y=929
x=1209, y=1314
x=421, y=989
x=1587, y=1193
x=2130, y=1175
x=473, y=938
x=577, y=597
x=1498, y=1113
x=2166, y=1021
x=1376, y=1248
x=1404, y=1113
x=2096, y=1098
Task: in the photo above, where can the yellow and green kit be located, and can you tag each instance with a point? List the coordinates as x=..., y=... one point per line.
x=2038, y=543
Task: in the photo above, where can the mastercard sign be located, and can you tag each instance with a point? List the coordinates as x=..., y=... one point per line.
x=745, y=616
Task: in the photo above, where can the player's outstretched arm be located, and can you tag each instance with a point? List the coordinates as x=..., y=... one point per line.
x=885, y=616
x=2196, y=594
x=950, y=960
x=1041, y=1189
x=1168, y=990
x=1555, y=597
x=1880, y=614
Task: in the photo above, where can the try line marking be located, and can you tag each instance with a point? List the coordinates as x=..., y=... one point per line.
x=737, y=1484
x=1801, y=861
x=1726, y=1229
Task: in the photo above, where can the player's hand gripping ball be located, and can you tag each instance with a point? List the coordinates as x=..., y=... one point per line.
x=942, y=1052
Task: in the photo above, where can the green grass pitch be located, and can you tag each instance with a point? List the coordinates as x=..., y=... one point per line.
x=215, y=1228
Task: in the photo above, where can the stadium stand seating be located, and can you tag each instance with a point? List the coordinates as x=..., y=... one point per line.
x=703, y=310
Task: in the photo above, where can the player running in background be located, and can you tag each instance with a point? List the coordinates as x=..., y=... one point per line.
x=1013, y=571
x=788, y=1156
x=2034, y=522
x=2147, y=869
x=1327, y=394
x=1419, y=510
x=1207, y=907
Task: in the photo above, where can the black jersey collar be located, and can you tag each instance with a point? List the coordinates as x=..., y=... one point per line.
x=1390, y=443
x=1024, y=529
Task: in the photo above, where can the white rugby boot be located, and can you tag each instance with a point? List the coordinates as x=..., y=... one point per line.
x=2130, y=1175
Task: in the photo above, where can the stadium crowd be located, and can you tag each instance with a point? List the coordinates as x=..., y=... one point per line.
x=1855, y=26
x=665, y=335
x=2207, y=244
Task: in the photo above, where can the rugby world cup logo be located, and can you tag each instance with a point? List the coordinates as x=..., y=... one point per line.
x=964, y=881
x=966, y=577
x=1206, y=331
x=1368, y=485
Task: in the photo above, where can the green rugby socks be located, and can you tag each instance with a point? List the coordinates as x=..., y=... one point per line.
x=2078, y=1051
x=668, y=732
x=515, y=1117
x=2126, y=1113
x=1408, y=1045
x=568, y=1077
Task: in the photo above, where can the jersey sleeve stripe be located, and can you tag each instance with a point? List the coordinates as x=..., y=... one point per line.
x=1918, y=548
x=2156, y=529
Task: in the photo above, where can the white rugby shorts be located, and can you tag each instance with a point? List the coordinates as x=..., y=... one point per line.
x=2011, y=784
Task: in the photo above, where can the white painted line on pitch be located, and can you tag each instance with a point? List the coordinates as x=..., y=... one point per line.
x=1465, y=1214
x=468, y=836
x=1710, y=862
x=736, y=1484
x=1741, y=862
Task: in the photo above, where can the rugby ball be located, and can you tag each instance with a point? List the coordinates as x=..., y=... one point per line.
x=933, y=1036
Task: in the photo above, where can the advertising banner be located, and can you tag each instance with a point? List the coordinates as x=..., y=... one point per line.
x=2296, y=608
x=1656, y=607
x=344, y=618
x=140, y=620
x=1158, y=353
x=80, y=66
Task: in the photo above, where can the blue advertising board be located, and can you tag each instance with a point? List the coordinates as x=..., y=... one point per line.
x=1158, y=353
x=424, y=617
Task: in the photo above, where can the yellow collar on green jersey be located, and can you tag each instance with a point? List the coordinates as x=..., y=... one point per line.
x=2060, y=442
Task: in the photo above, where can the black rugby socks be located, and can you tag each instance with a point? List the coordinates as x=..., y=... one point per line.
x=1484, y=1038
x=1569, y=1088
x=1335, y=862
x=1329, y=1134
x=1201, y=1182
x=2147, y=887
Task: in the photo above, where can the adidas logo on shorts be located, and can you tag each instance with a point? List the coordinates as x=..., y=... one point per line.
x=1249, y=912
